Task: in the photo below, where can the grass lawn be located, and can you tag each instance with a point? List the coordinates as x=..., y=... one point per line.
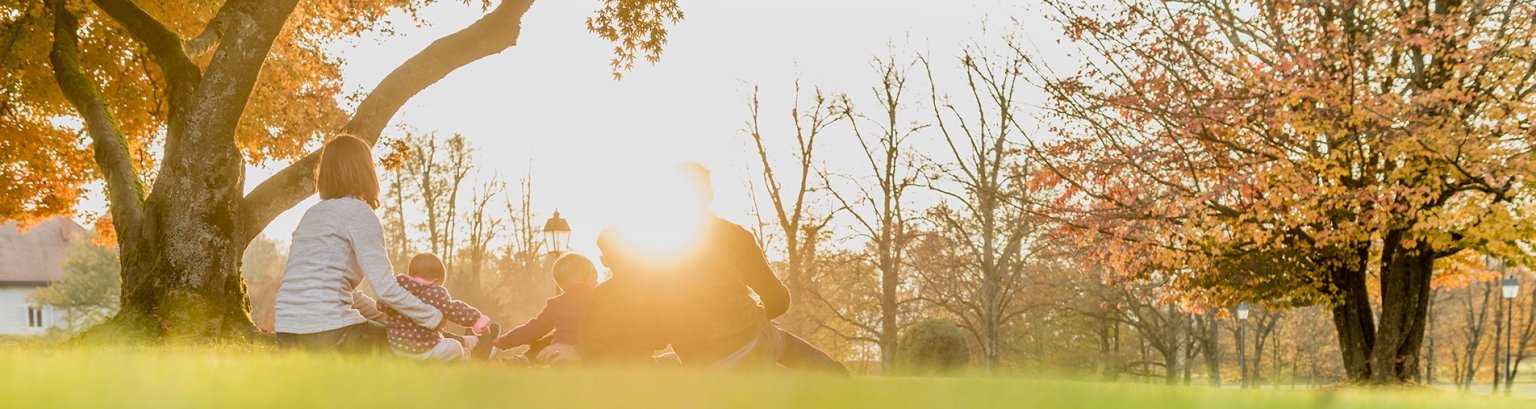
x=175, y=378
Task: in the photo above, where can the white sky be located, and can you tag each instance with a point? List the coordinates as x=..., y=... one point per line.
x=550, y=100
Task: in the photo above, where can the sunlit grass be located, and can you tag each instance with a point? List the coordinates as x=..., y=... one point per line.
x=180, y=378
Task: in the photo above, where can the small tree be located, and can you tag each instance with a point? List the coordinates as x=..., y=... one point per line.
x=933, y=346
x=88, y=294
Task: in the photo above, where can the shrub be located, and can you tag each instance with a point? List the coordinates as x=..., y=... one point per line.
x=932, y=346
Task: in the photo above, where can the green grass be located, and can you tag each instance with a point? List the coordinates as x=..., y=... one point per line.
x=179, y=378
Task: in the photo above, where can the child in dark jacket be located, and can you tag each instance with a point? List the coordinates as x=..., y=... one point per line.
x=424, y=279
x=576, y=276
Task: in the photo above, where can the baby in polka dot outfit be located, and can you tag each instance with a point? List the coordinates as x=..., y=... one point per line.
x=425, y=279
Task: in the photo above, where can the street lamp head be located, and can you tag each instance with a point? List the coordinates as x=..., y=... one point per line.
x=1511, y=288
x=557, y=234
x=1242, y=311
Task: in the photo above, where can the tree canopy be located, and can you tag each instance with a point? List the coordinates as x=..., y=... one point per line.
x=300, y=99
x=1291, y=154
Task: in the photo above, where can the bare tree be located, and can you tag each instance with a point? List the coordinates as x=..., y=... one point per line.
x=1207, y=331
x=876, y=199
x=1165, y=328
x=795, y=222
x=985, y=177
x=523, y=280
x=459, y=164
x=1525, y=338
x=396, y=232
x=1474, y=303
x=483, y=226
x=438, y=167
x=1257, y=328
x=1266, y=321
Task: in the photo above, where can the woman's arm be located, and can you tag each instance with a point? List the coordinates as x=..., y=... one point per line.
x=367, y=238
x=366, y=305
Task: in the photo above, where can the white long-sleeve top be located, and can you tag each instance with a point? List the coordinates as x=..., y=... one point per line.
x=338, y=244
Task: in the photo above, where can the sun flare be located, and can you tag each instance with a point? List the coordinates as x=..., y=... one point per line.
x=664, y=216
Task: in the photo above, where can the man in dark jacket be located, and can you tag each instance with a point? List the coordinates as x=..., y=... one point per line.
x=699, y=295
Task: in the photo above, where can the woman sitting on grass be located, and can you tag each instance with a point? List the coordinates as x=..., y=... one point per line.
x=338, y=244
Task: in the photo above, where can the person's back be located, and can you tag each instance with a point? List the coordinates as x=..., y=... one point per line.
x=691, y=276
x=700, y=301
x=338, y=244
x=321, y=253
x=620, y=326
x=710, y=310
x=562, y=314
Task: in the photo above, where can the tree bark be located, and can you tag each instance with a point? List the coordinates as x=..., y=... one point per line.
x=1352, y=320
x=1405, y=279
x=888, y=277
x=1211, y=349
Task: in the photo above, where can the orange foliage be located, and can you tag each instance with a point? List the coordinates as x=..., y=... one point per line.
x=1245, y=151
x=46, y=156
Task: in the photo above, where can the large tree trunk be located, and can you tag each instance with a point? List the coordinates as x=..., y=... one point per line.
x=888, y=330
x=1210, y=347
x=1171, y=371
x=182, y=244
x=1352, y=319
x=1405, y=279
x=1256, y=364
x=181, y=273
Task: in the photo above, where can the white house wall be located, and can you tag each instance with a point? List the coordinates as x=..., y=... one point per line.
x=13, y=311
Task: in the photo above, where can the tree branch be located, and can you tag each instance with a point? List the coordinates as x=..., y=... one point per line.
x=124, y=189
x=205, y=113
x=204, y=42
x=163, y=43
x=495, y=32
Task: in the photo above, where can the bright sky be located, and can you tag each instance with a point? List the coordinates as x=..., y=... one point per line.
x=549, y=103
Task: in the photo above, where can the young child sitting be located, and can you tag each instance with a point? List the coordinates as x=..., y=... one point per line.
x=424, y=278
x=576, y=276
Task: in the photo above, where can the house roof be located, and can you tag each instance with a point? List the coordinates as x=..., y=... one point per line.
x=36, y=254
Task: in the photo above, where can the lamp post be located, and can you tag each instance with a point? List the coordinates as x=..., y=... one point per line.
x=1511, y=289
x=1242, y=360
x=557, y=234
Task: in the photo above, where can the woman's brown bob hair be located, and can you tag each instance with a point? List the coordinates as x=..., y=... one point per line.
x=346, y=169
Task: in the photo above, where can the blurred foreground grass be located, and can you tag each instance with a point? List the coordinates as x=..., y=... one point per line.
x=181, y=378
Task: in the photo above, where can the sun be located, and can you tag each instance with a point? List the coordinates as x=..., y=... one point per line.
x=664, y=215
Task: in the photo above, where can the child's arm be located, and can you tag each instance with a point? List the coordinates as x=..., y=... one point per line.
x=530, y=331
x=455, y=311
